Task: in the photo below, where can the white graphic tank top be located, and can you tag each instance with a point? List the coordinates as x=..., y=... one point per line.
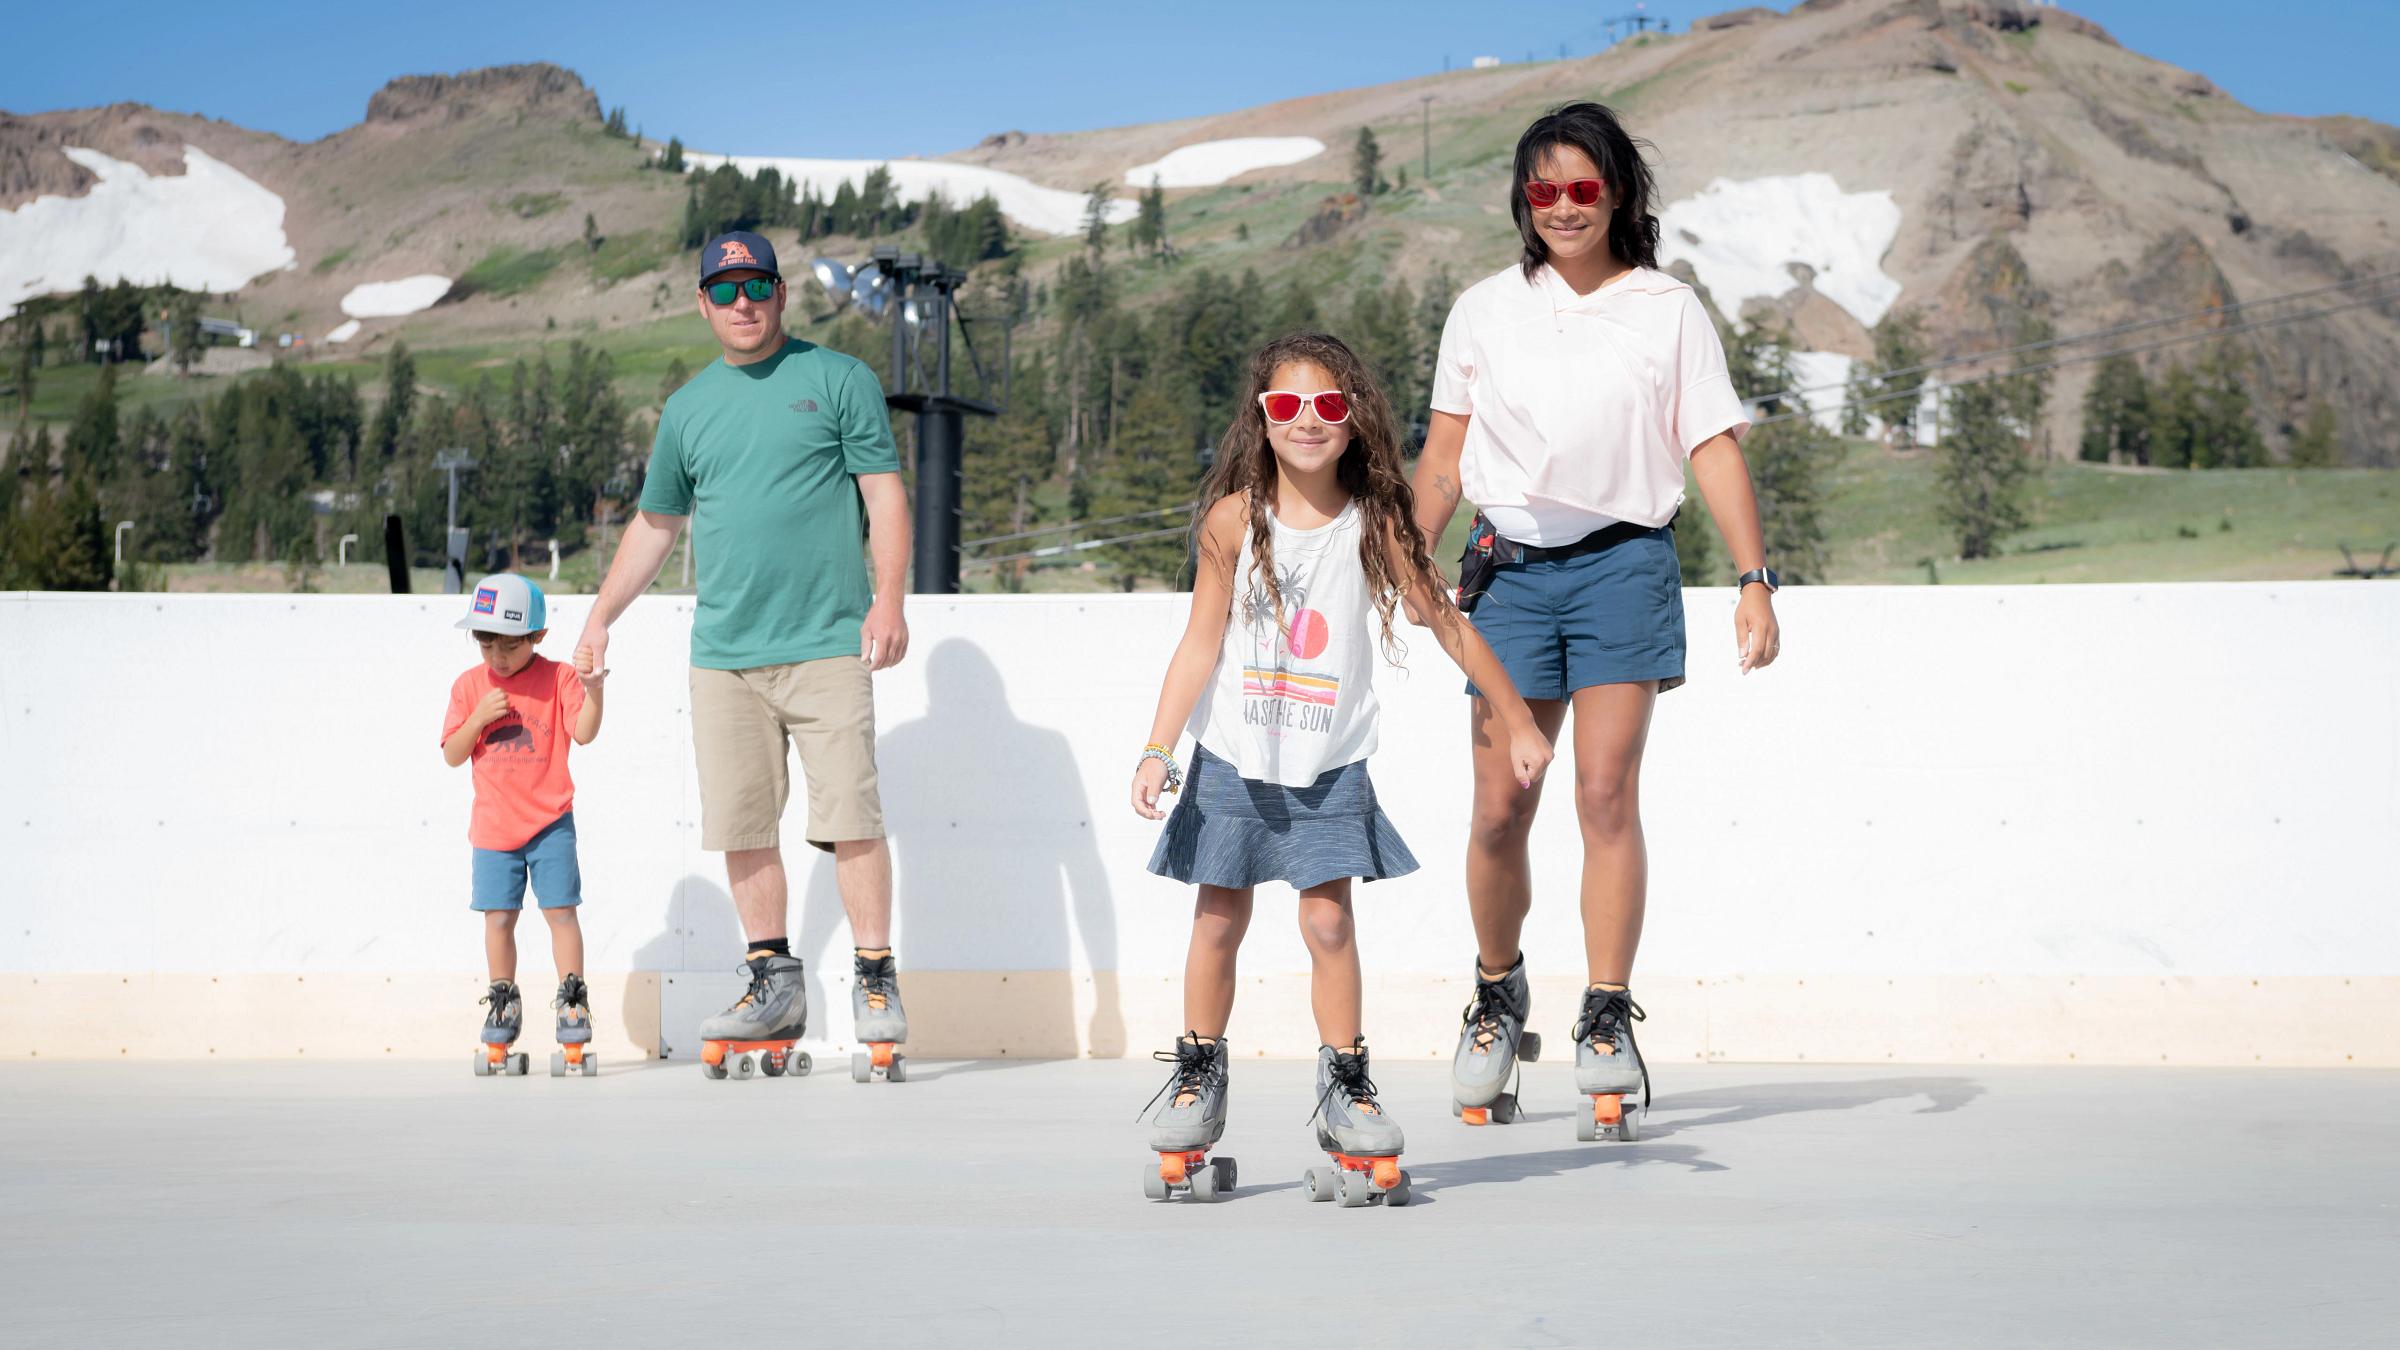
x=1290, y=702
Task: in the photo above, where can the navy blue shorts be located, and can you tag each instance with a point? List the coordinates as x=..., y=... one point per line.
x=547, y=859
x=1611, y=617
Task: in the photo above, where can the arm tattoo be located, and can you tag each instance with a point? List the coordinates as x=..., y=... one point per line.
x=1448, y=489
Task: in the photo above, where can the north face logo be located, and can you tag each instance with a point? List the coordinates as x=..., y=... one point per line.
x=734, y=251
x=805, y=405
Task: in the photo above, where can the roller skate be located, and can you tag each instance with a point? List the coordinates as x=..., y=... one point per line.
x=878, y=1021
x=1352, y=1128
x=573, y=1055
x=757, y=1033
x=500, y=1029
x=1189, y=1125
x=1484, y=1073
x=1609, y=1067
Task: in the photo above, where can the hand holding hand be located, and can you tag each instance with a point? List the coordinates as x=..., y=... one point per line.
x=587, y=668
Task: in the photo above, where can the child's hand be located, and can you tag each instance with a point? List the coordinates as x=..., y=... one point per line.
x=1529, y=750
x=493, y=707
x=584, y=670
x=1148, y=778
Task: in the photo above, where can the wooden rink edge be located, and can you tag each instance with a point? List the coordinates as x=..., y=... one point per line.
x=2298, y=1021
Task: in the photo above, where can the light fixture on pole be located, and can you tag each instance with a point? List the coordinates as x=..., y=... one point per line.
x=454, y=562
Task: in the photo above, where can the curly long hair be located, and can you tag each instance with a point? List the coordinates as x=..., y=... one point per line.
x=1370, y=470
x=1593, y=129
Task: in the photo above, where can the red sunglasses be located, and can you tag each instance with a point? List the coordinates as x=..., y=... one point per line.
x=1541, y=193
x=1281, y=406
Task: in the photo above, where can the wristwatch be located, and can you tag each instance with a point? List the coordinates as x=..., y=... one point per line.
x=1767, y=575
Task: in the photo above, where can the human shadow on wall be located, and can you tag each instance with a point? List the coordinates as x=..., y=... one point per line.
x=699, y=932
x=998, y=878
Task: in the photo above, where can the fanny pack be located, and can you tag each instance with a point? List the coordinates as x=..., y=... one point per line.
x=1488, y=551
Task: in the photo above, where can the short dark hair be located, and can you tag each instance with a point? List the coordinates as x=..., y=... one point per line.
x=1632, y=229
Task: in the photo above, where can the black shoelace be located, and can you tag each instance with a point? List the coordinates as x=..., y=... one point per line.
x=1493, y=998
x=1607, y=1016
x=502, y=996
x=1348, y=1077
x=574, y=998
x=877, y=978
x=1196, y=1070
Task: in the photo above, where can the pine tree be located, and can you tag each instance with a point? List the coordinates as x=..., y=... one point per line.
x=1892, y=381
x=92, y=443
x=183, y=342
x=2116, y=413
x=1095, y=218
x=2175, y=422
x=1983, y=468
x=591, y=233
x=1366, y=161
x=1788, y=458
x=671, y=161
x=1154, y=464
x=677, y=375
x=2317, y=446
x=1150, y=226
x=2230, y=431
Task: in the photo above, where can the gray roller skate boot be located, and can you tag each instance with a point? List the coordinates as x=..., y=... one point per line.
x=878, y=1021
x=1609, y=1067
x=501, y=1027
x=574, y=1005
x=1491, y=1041
x=1191, y=1122
x=757, y=1032
x=1362, y=1140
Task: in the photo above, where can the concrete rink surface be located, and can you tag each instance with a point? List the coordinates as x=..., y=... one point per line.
x=262, y=1204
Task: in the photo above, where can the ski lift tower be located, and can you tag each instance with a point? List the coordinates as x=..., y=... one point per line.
x=920, y=295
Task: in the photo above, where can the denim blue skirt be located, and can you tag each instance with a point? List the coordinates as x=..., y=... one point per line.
x=1226, y=830
x=1611, y=617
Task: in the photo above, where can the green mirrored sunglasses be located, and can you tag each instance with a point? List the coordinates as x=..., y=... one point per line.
x=760, y=289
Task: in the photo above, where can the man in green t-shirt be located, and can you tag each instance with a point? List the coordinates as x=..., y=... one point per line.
x=779, y=454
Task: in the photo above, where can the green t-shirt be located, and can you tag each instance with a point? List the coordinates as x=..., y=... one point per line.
x=762, y=458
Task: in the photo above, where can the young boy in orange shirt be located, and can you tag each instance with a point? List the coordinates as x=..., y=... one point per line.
x=513, y=715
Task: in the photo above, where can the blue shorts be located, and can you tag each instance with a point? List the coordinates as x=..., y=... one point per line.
x=548, y=858
x=1611, y=617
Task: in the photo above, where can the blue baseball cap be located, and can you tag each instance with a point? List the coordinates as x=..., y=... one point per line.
x=737, y=251
x=506, y=603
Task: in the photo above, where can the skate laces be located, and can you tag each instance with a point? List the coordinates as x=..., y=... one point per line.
x=1348, y=1076
x=574, y=997
x=1196, y=1070
x=1493, y=999
x=503, y=994
x=876, y=977
x=1607, y=1015
x=1604, y=1017
x=757, y=992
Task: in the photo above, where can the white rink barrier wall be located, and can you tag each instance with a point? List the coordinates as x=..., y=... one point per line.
x=2117, y=824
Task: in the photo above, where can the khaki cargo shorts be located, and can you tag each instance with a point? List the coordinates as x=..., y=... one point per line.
x=743, y=724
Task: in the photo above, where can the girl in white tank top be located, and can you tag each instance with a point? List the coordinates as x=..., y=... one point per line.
x=1307, y=549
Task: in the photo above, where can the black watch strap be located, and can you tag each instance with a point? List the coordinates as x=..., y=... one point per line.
x=1773, y=582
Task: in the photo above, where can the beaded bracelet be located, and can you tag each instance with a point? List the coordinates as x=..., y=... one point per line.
x=1165, y=755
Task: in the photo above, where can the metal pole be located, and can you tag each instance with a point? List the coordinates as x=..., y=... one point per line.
x=122, y=527
x=342, y=549
x=940, y=428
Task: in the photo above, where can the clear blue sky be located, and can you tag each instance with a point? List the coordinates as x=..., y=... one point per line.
x=775, y=78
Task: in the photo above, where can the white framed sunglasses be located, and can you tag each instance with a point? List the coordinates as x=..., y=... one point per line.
x=1283, y=406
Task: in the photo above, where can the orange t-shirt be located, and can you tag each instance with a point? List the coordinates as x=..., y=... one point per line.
x=521, y=782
